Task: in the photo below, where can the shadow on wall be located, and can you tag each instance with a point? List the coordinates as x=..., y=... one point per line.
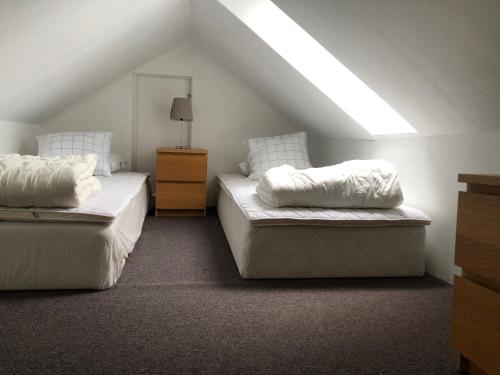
x=29, y=146
x=18, y=137
x=323, y=153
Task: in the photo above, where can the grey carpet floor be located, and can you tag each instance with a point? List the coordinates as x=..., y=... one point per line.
x=180, y=307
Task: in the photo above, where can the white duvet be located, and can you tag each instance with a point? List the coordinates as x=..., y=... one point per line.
x=352, y=184
x=34, y=181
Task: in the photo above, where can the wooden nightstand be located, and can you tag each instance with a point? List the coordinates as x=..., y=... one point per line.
x=181, y=176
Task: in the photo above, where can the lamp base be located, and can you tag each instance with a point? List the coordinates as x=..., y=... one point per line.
x=182, y=145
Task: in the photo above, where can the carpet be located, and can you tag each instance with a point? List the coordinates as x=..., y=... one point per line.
x=180, y=307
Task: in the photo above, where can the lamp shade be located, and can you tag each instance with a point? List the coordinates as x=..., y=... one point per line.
x=181, y=110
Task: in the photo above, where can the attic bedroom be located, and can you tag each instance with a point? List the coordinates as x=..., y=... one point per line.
x=250, y=186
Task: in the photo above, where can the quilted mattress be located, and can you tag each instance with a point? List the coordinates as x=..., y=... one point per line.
x=269, y=242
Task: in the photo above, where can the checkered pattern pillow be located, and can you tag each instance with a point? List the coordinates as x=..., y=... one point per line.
x=81, y=143
x=270, y=152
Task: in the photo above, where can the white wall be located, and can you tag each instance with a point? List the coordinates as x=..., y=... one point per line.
x=155, y=95
x=226, y=111
x=16, y=137
x=428, y=169
x=325, y=152
x=108, y=109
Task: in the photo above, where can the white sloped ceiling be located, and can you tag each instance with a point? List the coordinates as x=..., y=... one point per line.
x=235, y=46
x=56, y=52
x=435, y=62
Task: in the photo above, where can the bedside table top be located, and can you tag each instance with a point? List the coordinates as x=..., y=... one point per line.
x=173, y=150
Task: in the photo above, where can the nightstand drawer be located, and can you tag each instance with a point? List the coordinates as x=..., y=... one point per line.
x=181, y=167
x=478, y=235
x=178, y=195
x=476, y=324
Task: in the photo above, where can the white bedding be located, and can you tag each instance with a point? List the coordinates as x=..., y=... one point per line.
x=34, y=181
x=243, y=191
x=352, y=184
x=104, y=207
x=269, y=242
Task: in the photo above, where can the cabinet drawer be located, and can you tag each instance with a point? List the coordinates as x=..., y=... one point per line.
x=478, y=235
x=476, y=324
x=178, y=195
x=181, y=167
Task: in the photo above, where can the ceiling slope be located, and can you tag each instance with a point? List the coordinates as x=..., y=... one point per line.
x=56, y=52
x=434, y=62
x=237, y=48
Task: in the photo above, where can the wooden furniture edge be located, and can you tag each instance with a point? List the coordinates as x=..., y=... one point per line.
x=492, y=285
x=480, y=179
x=172, y=150
x=180, y=212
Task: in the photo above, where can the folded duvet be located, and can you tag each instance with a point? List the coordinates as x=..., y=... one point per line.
x=352, y=184
x=34, y=181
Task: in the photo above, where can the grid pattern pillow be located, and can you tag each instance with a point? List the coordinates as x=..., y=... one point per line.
x=270, y=152
x=78, y=143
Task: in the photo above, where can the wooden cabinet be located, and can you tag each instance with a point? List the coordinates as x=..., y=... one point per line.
x=476, y=295
x=181, y=176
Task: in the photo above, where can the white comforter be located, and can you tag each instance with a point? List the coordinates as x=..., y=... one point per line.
x=352, y=184
x=34, y=181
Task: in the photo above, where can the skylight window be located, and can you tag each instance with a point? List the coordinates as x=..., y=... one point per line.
x=317, y=65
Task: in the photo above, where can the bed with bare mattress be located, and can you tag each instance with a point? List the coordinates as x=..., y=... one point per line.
x=76, y=248
x=299, y=242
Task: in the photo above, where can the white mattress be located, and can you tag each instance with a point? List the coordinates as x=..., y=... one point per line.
x=117, y=191
x=269, y=242
x=78, y=253
x=242, y=191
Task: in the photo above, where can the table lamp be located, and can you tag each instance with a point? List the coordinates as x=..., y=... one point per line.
x=182, y=111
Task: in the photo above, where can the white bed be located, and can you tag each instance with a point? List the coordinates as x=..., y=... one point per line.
x=269, y=242
x=78, y=248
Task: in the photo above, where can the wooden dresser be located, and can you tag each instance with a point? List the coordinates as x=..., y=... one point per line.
x=476, y=295
x=181, y=176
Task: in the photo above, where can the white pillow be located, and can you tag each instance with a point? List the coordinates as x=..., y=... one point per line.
x=116, y=162
x=78, y=143
x=269, y=152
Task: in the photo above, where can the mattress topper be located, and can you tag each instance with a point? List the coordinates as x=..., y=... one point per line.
x=242, y=191
x=104, y=207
